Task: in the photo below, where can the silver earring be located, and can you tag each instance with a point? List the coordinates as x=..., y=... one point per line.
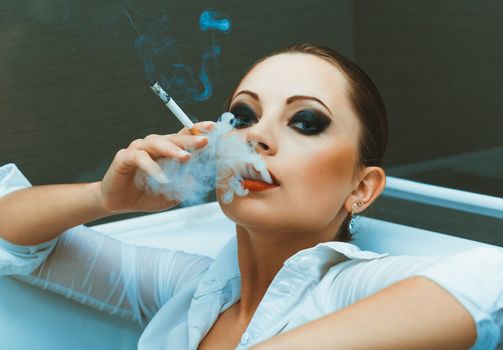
x=355, y=219
x=354, y=224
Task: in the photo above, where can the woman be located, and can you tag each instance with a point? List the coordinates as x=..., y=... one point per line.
x=319, y=124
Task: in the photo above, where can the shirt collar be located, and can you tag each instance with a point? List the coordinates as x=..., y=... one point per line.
x=314, y=262
x=224, y=268
x=220, y=286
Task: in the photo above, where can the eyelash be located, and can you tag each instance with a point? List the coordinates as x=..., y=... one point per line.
x=317, y=122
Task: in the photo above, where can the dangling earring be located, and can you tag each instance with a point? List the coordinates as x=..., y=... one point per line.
x=354, y=222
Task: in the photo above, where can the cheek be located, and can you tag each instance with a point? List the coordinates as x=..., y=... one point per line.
x=331, y=168
x=322, y=181
x=316, y=183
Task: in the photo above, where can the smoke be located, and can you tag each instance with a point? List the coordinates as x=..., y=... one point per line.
x=209, y=20
x=155, y=35
x=163, y=62
x=152, y=32
x=220, y=164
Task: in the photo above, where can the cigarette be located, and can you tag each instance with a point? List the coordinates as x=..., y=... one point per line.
x=177, y=111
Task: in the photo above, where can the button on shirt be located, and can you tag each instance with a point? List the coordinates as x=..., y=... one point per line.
x=179, y=296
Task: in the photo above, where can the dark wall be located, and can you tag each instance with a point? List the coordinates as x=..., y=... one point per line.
x=439, y=66
x=73, y=89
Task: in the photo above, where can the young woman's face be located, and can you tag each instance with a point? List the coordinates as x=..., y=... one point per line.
x=295, y=107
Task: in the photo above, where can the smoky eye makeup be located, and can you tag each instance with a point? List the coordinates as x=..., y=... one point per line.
x=244, y=115
x=309, y=122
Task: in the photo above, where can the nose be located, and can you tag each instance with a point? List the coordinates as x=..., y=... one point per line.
x=262, y=136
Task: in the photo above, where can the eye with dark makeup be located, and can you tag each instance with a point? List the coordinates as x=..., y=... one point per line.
x=244, y=116
x=309, y=122
x=306, y=121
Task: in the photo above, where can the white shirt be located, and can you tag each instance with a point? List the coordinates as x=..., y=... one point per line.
x=178, y=296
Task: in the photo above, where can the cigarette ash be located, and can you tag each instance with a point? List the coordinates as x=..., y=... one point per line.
x=221, y=164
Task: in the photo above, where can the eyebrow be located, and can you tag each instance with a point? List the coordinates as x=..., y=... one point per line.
x=288, y=100
x=303, y=97
x=248, y=92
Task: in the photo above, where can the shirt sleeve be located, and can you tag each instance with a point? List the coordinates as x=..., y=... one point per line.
x=473, y=277
x=98, y=270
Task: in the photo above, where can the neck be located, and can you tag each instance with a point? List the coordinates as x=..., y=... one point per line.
x=261, y=255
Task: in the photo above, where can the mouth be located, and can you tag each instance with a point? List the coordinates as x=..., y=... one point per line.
x=258, y=180
x=257, y=185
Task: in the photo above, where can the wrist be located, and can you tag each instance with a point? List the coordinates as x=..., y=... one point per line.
x=98, y=201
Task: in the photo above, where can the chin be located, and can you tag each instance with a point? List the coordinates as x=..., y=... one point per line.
x=252, y=212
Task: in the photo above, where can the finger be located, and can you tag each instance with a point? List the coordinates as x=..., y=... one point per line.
x=143, y=161
x=158, y=146
x=128, y=160
x=184, y=131
x=203, y=127
x=189, y=141
x=169, y=146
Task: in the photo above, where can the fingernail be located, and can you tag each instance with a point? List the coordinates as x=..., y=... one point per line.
x=183, y=153
x=162, y=178
x=195, y=131
x=201, y=139
x=206, y=126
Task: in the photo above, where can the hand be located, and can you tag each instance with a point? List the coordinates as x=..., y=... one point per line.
x=118, y=190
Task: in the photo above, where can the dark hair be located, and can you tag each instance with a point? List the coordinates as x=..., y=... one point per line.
x=366, y=101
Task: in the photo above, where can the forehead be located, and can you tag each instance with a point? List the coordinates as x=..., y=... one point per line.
x=291, y=74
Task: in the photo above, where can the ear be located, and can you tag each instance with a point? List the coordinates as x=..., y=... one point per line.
x=368, y=186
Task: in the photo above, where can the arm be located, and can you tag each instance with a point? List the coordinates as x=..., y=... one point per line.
x=44, y=246
x=472, y=280
x=34, y=215
x=413, y=314
x=48, y=211
x=96, y=269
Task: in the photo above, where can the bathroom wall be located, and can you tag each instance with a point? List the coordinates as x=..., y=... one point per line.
x=439, y=67
x=74, y=84
x=73, y=88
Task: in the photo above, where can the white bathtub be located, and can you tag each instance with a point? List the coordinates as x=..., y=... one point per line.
x=31, y=318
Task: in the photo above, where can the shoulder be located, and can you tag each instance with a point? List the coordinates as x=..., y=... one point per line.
x=360, y=277
x=11, y=179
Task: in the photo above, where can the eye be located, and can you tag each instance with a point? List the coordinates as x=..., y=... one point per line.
x=309, y=122
x=244, y=116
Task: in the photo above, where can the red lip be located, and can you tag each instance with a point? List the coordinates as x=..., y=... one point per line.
x=274, y=179
x=257, y=185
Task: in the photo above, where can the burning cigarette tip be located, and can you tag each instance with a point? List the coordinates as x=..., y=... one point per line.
x=159, y=91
